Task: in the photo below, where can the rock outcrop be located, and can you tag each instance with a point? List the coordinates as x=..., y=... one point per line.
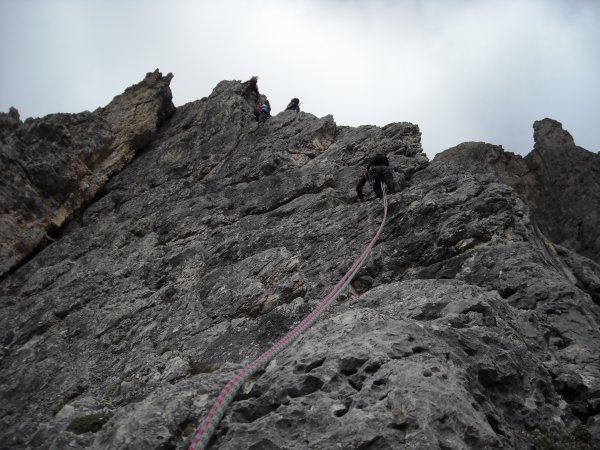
x=52, y=167
x=471, y=326
x=559, y=181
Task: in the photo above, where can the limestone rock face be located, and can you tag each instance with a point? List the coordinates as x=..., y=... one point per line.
x=559, y=180
x=468, y=327
x=549, y=133
x=54, y=166
x=567, y=201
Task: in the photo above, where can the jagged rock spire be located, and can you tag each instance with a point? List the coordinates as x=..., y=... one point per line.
x=550, y=133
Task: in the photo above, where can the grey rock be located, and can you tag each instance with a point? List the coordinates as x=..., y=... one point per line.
x=469, y=326
x=559, y=181
x=593, y=425
x=54, y=166
x=392, y=370
x=549, y=133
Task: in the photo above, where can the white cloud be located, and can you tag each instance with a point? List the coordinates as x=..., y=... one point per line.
x=462, y=70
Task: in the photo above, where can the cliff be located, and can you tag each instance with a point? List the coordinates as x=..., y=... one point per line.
x=203, y=237
x=559, y=181
x=54, y=166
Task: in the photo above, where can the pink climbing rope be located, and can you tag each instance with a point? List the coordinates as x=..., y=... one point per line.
x=227, y=394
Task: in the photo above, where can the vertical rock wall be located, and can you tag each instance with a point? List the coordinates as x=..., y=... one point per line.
x=54, y=166
x=467, y=328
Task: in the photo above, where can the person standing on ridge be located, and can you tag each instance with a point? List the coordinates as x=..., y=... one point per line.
x=294, y=105
x=377, y=172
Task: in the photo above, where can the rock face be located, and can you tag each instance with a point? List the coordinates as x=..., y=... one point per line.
x=470, y=326
x=54, y=166
x=559, y=181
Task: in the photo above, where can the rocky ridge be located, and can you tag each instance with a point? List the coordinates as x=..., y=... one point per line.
x=474, y=324
x=54, y=166
x=559, y=180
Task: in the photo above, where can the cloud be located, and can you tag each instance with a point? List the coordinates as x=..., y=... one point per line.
x=461, y=69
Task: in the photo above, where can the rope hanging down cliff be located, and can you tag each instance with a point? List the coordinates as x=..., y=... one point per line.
x=208, y=427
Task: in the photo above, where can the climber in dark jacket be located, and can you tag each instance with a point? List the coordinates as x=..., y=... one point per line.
x=294, y=105
x=377, y=172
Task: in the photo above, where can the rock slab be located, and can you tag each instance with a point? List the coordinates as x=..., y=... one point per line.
x=470, y=326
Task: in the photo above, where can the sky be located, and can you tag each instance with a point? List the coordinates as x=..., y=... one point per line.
x=463, y=70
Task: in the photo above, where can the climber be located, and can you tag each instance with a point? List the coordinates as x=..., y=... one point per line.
x=263, y=111
x=257, y=111
x=250, y=92
x=378, y=171
x=294, y=105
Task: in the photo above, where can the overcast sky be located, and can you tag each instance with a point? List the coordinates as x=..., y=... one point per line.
x=463, y=70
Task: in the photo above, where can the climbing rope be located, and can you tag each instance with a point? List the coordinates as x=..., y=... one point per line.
x=227, y=394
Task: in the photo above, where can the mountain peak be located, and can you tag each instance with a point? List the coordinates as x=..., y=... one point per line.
x=150, y=252
x=550, y=133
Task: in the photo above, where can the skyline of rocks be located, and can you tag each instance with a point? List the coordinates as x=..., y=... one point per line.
x=149, y=251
